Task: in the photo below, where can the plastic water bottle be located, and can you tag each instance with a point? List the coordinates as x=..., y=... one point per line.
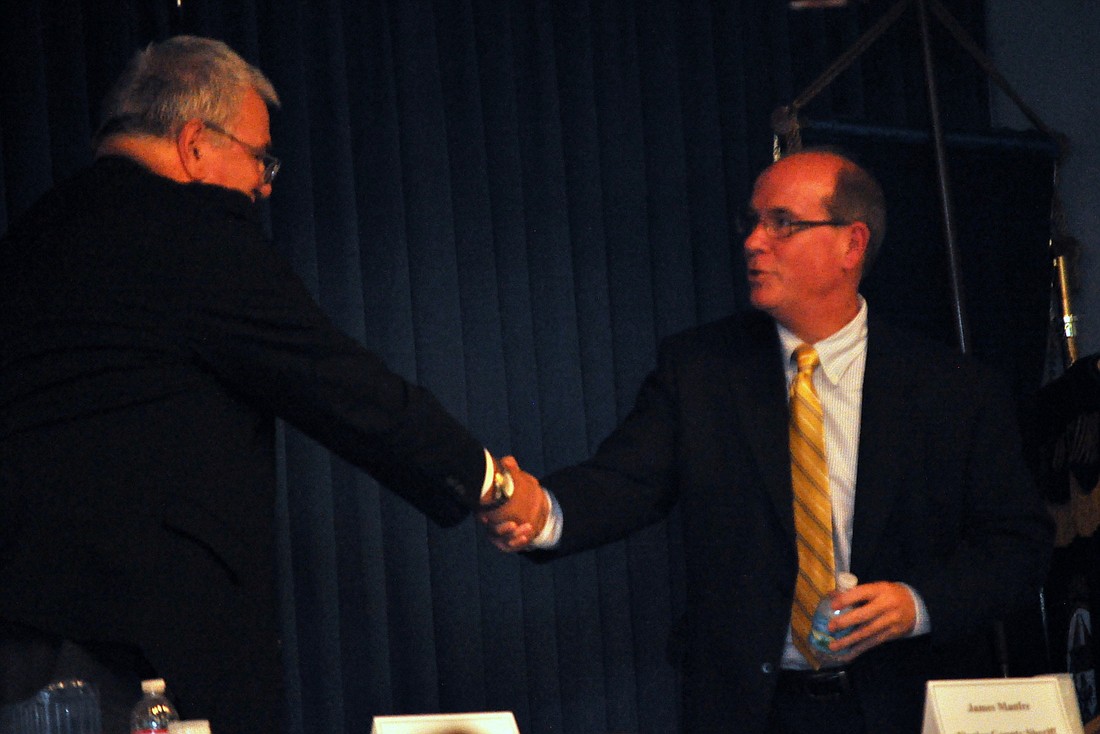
x=63, y=707
x=153, y=713
x=820, y=636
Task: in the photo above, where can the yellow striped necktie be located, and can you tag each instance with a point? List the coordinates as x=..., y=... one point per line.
x=813, y=514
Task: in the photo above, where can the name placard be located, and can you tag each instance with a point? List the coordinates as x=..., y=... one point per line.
x=489, y=722
x=1045, y=704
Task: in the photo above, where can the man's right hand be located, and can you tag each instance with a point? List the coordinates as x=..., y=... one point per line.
x=513, y=525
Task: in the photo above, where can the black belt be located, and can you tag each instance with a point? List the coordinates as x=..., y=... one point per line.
x=823, y=685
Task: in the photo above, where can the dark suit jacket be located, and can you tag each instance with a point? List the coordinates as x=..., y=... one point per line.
x=943, y=503
x=149, y=336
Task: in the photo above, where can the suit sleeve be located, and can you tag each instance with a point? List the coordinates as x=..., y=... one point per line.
x=251, y=320
x=631, y=480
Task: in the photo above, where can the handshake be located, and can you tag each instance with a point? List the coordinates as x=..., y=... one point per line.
x=518, y=521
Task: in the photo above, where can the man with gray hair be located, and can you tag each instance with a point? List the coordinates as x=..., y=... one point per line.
x=149, y=336
x=176, y=97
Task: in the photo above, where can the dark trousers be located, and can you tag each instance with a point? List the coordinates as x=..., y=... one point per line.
x=31, y=659
x=816, y=703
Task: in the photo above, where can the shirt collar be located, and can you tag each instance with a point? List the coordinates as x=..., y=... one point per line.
x=836, y=352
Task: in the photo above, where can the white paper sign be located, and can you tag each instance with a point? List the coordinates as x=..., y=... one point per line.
x=492, y=722
x=1045, y=704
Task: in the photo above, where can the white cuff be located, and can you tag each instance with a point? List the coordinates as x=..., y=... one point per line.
x=486, y=485
x=550, y=535
x=922, y=625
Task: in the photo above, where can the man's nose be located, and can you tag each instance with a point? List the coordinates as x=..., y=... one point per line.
x=754, y=240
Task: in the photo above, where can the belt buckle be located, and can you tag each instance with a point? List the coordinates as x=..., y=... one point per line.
x=827, y=685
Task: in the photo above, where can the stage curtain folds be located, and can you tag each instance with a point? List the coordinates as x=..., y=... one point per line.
x=511, y=202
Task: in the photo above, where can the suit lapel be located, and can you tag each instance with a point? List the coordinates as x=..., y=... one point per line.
x=885, y=444
x=757, y=386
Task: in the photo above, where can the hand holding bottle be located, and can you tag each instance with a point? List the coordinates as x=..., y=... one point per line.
x=821, y=633
x=873, y=613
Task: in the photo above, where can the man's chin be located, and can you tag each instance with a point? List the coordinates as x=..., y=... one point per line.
x=758, y=298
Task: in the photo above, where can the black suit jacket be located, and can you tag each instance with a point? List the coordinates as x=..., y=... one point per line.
x=149, y=336
x=942, y=503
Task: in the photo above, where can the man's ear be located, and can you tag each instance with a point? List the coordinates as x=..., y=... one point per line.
x=859, y=235
x=192, y=148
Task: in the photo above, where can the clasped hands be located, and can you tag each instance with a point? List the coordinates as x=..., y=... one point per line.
x=517, y=522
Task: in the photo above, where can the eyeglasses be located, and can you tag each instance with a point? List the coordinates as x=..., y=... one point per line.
x=779, y=225
x=270, y=163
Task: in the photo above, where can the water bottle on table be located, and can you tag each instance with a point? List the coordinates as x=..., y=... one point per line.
x=154, y=712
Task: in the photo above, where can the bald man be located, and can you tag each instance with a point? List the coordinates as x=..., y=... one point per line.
x=931, y=506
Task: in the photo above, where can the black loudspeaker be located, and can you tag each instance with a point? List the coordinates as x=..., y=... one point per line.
x=1001, y=188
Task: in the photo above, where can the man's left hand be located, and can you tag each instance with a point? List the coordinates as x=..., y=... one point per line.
x=881, y=611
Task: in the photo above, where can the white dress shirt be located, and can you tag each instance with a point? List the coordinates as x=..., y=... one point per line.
x=839, y=385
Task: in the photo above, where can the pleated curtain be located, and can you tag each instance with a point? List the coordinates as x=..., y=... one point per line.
x=511, y=201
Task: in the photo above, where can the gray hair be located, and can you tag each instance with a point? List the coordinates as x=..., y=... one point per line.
x=180, y=79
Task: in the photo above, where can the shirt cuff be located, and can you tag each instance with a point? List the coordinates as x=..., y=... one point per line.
x=922, y=625
x=490, y=468
x=550, y=535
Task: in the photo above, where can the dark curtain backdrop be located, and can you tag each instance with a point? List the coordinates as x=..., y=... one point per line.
x=511, y=202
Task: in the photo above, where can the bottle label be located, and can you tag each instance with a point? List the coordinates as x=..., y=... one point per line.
x=820, y=636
